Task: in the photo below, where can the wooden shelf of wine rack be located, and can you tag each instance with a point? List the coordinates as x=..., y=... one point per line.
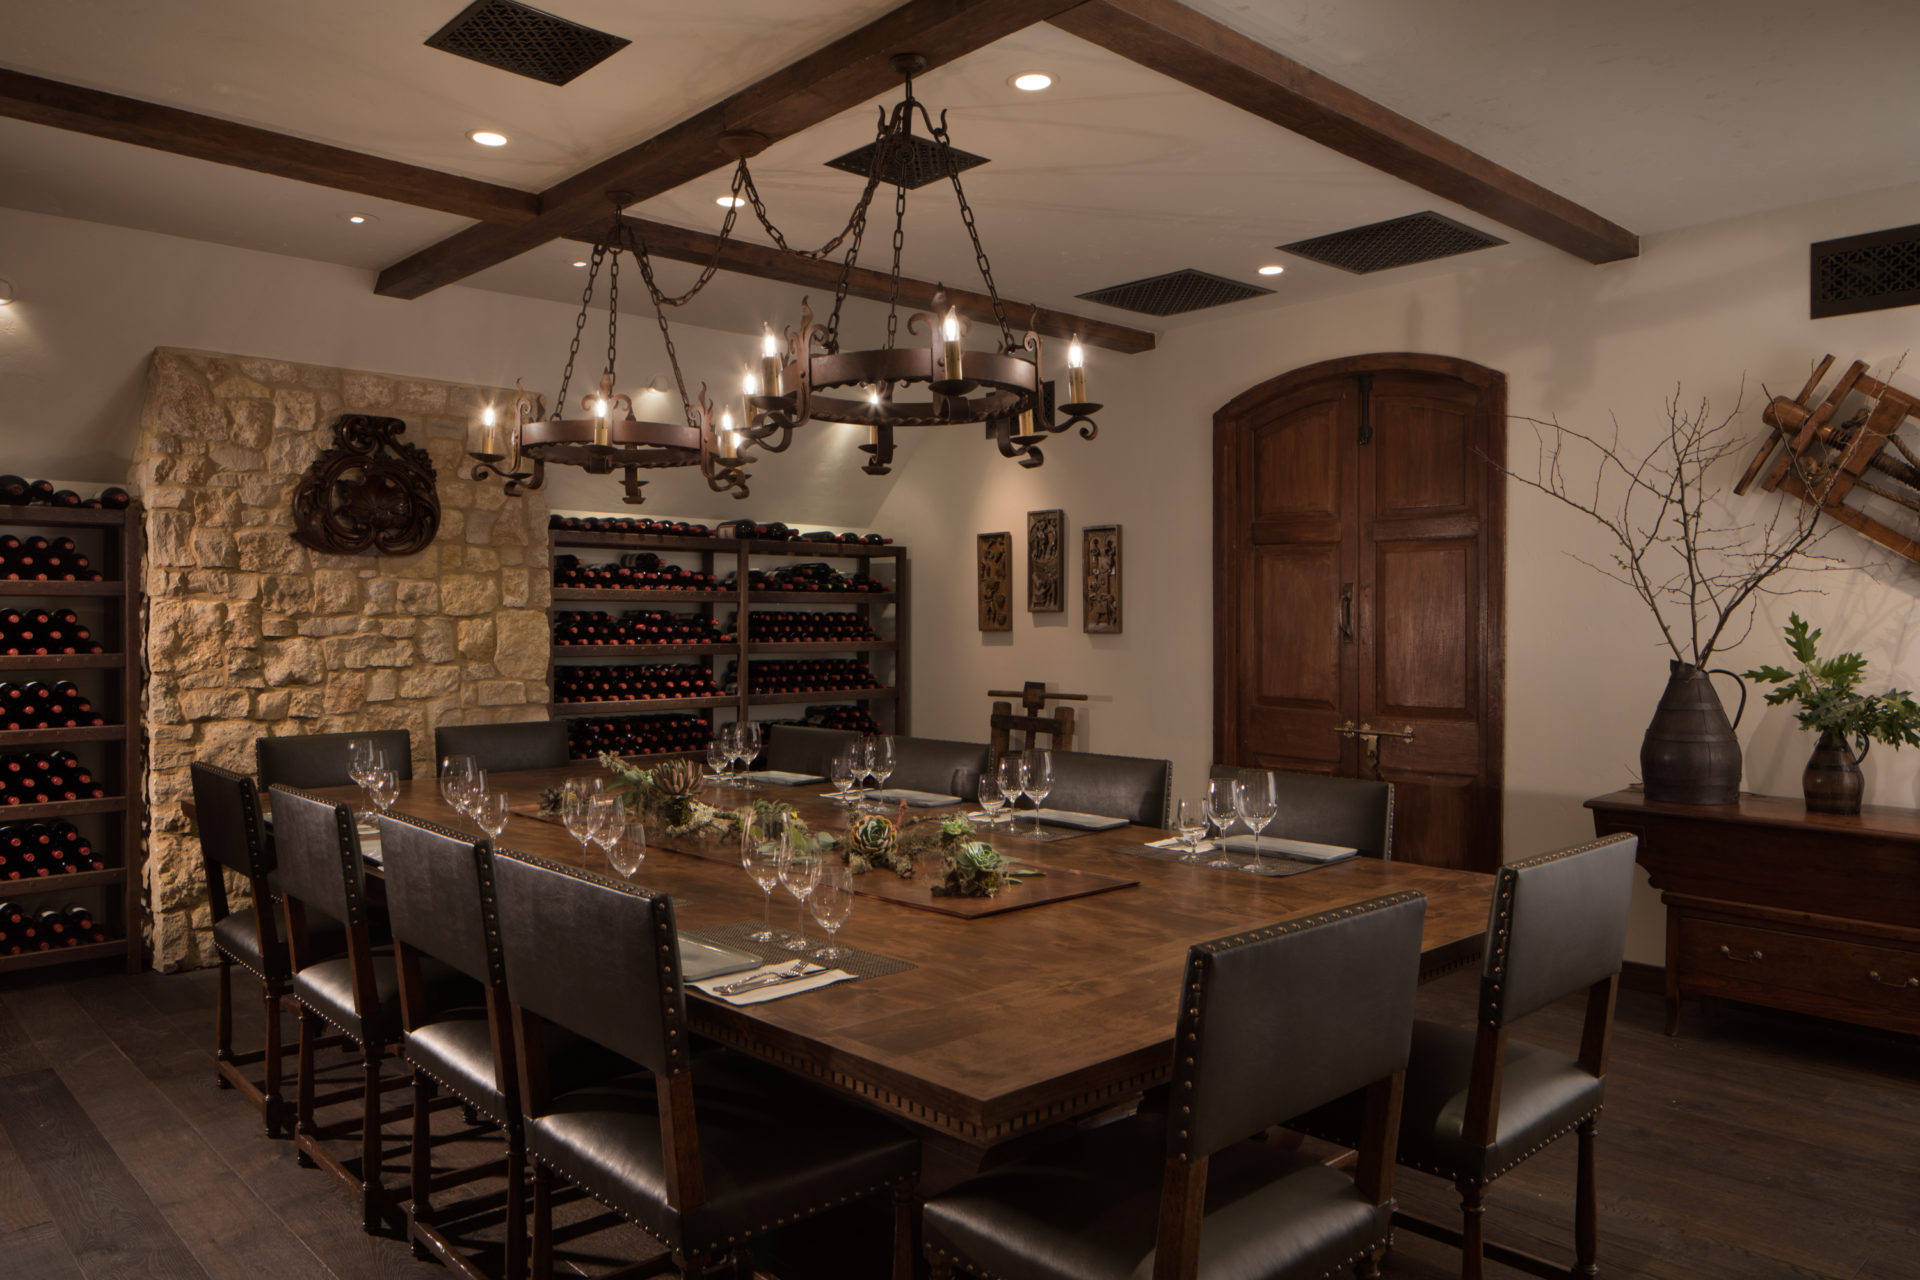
x=122, y=842
x=719, y=556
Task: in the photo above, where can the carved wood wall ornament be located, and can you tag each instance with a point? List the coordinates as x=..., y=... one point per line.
x=1046, y=561
x=1100, y=560
x=996, y=582
x=370, y=491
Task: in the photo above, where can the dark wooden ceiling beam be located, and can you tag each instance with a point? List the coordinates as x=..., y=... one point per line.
x=1175, y=41
x=850, y=71
x=147, y=124
x=768, y=263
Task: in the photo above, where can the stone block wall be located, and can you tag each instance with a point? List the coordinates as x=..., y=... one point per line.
x=251, y=634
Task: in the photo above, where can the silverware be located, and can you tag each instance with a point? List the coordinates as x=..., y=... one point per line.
x=792, y=972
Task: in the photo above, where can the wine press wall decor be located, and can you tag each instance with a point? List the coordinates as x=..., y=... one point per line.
x=1046, y=561
x=996, y=582
x=370, y=491
x=1100, y=556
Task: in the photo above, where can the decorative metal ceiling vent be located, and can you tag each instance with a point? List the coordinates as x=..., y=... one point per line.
x=921, y=161
x=521, y=39
x=1397, y=242
x=1175, y=292
x=1869, y=272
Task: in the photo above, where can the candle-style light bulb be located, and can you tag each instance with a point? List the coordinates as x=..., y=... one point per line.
x=950, y=344
x=772, y=376
x=729, y=436
x=749, y=388
x=602, y=428
x=1076, y=372
x=489, y=433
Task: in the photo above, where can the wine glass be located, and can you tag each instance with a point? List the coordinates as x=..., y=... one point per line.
x=383, y=788
x=359, y=759
x=992, y=800
x=1190, y=820
x=629, y=847
x=747, y=732
x=719, y=759
x=879, y=759
x=761, y=858
x=608, y=821
x=473, y=796
x=1223, y=806
x=1011, y=773
x=1039, y=781
x=799, y=872
x=831, y=904
x=840, y=771
x=455, y=772
x=1258, y=801
x=493, y=812
x=577, y=816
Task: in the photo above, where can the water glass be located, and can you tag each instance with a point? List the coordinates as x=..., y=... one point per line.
x=840, y=772
x=360, y=753
x=493, y=814
x=1258, y=801
x=799, y=872
x=1223, y=807
x=831, y=903
x=760, y=855
x=747, y=739
x=879, y=759
x=629, y=848
x=1039, y=780
x=1011, y=773
x=383, y=787
x=1190, y=820
x=608, y=821
x=992, y=801
x=719, y=760
x=577, y=816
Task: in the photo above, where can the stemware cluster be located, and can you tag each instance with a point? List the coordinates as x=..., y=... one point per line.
x=870, y=758
x=598, y=819
x=1028, y=774
x=820, y=885
x=367, y=766
x=1252, y=799
x=734, y=743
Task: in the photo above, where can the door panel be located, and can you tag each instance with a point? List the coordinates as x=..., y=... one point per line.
x=1358, y=572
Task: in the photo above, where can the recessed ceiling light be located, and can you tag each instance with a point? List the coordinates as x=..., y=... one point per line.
x=488, y=138
x=728, y=202
x=1031, y=81
x=357, y=218
x=1271, y=269
x=580, y=263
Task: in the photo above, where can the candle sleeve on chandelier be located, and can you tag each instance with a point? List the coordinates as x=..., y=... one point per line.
x=749, y=388
x=950, y=344
x=602, y=425
x=772, y=377
x=1076, y=372
x=489, y=432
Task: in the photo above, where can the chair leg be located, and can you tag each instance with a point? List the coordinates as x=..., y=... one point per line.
x=1586, y=1210
x=420, y=1159
x=906, y=1216
x=542, y=1249
x=1367, y=1265
x=303, y=1087
x=223, y=1020
x=516, y=1224
x=1472, y=1241
x=939, y=1267
x=272, y=1102
x=372, y=1191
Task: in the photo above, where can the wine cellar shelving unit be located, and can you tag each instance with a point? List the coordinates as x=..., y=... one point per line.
x=111, y=540
x=885, y=612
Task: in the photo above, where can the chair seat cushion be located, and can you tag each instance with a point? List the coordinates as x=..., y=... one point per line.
x=457, y=1051
x=1542, y=1095
x=1088, y=1208
x=327, y=988
x=771, y=1148
x=238, y=935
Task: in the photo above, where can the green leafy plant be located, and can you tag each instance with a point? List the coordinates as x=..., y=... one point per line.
x=1827, y=690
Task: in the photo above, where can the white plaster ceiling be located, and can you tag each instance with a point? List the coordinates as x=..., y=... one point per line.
x=1657, y=113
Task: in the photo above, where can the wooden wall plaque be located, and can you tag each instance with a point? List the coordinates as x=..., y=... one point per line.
x=1100, y=559
x=1046, y=561
x=370, y=491
x=996, y=582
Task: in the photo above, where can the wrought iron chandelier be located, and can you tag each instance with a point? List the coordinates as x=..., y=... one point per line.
x=610, y=437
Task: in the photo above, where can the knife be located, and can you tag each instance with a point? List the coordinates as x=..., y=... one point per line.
x=778, y=977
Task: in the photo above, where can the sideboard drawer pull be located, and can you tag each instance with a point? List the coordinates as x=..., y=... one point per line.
x=1749, y=958
x=1874, y=974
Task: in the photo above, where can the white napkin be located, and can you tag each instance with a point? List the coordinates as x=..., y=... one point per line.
x=812, y=982
x=1082, y=821
x=781, y=778
x=916, y=799
x=1300, y=850
x=1180, y=843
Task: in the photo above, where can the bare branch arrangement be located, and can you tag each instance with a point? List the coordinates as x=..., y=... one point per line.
x=1698, y=569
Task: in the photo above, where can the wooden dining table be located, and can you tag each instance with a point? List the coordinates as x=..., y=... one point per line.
x=1008, y=1023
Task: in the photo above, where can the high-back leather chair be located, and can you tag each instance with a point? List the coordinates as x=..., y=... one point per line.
x=320, y=759
x=1354, y=813
x=940, y=766
x=1132, y=787
x=1478, y=1104
x=322, y=872
x=703, y=1153
x=231, y=839
x=1271, y=1022
x=804, y=748
x=504, y=748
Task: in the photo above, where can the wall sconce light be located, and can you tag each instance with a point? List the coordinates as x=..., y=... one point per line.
x=6, y=293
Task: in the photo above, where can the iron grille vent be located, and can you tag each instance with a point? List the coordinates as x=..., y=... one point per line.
x=521, y=39
x=1175, y=292
x=1397, y=242
x=1870, y=272
x=921, y=161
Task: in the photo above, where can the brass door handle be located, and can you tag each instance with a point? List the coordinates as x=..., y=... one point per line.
x=1346, y=614
x=1746, y=959
x=1371, y=737
x=1874, y=974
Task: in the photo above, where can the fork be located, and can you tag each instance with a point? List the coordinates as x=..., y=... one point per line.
x=771, y=978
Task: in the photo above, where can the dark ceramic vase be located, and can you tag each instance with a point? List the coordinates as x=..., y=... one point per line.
x=1833, y=782
x=1690, y=755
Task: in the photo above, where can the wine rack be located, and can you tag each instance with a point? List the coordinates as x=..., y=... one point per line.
x=711, y=605
x=105, y=884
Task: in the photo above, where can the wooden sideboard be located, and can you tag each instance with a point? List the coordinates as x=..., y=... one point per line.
x=1776, y=906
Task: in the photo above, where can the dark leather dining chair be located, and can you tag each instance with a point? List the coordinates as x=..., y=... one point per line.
x=1354, y=813
x=322, y=873
x=1131, y=787
x=804, y=748
x=503, y=748
x=1271, y=1022
x=320, y=759
x=703, y=1153
x=1478, y=1104
x=938, y=765
x=231, y=840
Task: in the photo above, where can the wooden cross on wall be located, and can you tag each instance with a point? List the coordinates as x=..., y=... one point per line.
x=1058, y=727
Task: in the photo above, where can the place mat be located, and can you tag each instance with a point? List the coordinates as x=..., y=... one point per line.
x=1022, y=829
x=858, y=963
x=1078, y=821
x=915, y=799
x=780, y=778
x=1296, y=850
x=1270, y=868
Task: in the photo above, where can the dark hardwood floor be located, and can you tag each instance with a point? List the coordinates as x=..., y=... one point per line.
x=1753, y=1146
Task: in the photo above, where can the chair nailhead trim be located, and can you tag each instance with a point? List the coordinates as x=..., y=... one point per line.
x=933, y=1251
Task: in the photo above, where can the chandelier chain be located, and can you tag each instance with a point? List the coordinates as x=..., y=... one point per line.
x=980, y=253
x=613, y=310
x=666, y=336
x=766, y=220
x=623, y=231
x=899, y=244
x=884, y=144
x=579, y=325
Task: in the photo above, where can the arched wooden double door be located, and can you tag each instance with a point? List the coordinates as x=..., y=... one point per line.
x=1359, y=531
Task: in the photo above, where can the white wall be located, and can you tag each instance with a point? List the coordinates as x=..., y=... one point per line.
x=1699, y=309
